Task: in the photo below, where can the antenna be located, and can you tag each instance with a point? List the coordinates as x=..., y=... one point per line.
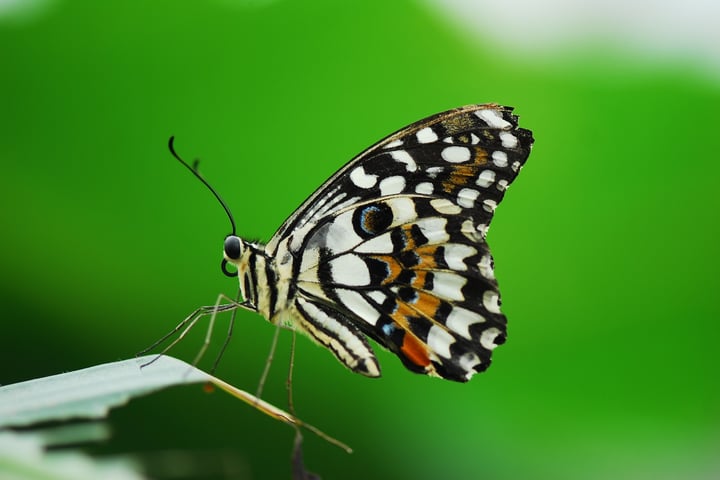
x=194, y=170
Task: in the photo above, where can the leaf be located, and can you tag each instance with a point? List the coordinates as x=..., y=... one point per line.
x=91, y=392
x=24, y=456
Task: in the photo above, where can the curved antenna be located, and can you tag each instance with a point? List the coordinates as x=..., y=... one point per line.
x=194, y=170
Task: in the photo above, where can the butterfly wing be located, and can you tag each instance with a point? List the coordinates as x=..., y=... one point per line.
x=393, y=245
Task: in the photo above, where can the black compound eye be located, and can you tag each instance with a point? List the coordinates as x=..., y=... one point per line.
x=232, y=247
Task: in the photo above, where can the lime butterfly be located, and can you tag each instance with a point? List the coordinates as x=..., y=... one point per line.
x=392, y=247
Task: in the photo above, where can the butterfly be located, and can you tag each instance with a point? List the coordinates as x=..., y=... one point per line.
x=393, y=247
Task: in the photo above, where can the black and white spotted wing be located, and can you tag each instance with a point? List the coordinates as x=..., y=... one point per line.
x=393, y=247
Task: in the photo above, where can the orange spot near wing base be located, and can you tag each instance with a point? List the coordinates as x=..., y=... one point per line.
x=415, y=350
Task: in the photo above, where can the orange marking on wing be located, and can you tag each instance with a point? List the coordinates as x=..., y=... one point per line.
x=418, y=282
x=426, y=255
x=400, y=315
x=427, y=304
x=415, y=350
x=459, y=176
x=393, y=266
x=481, y=156
x=463, y=174
x=409, y=239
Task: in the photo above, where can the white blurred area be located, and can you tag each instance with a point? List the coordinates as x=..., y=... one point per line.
x=18, y=11
x=686, y=30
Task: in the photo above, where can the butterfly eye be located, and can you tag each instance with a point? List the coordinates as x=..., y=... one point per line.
x=232, y=247
x=233, y=250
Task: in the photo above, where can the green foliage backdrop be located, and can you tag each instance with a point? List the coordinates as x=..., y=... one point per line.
x=605, y=247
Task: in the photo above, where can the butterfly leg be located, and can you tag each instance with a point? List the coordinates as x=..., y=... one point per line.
x=268, y=362
x=189, y=322
x=231, y=324
x=288, y=383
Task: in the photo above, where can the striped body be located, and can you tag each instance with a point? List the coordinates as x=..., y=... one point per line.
x=392, y=247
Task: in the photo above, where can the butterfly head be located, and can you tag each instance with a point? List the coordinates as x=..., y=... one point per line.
x=244, y=257
x=233, y=250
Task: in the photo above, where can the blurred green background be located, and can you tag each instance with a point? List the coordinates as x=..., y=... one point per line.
x=606, y=247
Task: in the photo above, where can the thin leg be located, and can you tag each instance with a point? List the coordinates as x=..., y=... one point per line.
x=190, y=322
x=268, y=362
x=211, y=325
x=288, y=383
x=227, y=338
x=206, y=310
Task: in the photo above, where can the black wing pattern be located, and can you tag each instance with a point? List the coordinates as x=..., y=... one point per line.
x=393, y=245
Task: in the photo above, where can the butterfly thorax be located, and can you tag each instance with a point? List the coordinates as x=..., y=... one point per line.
x=265, y=282
x=257, y=276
